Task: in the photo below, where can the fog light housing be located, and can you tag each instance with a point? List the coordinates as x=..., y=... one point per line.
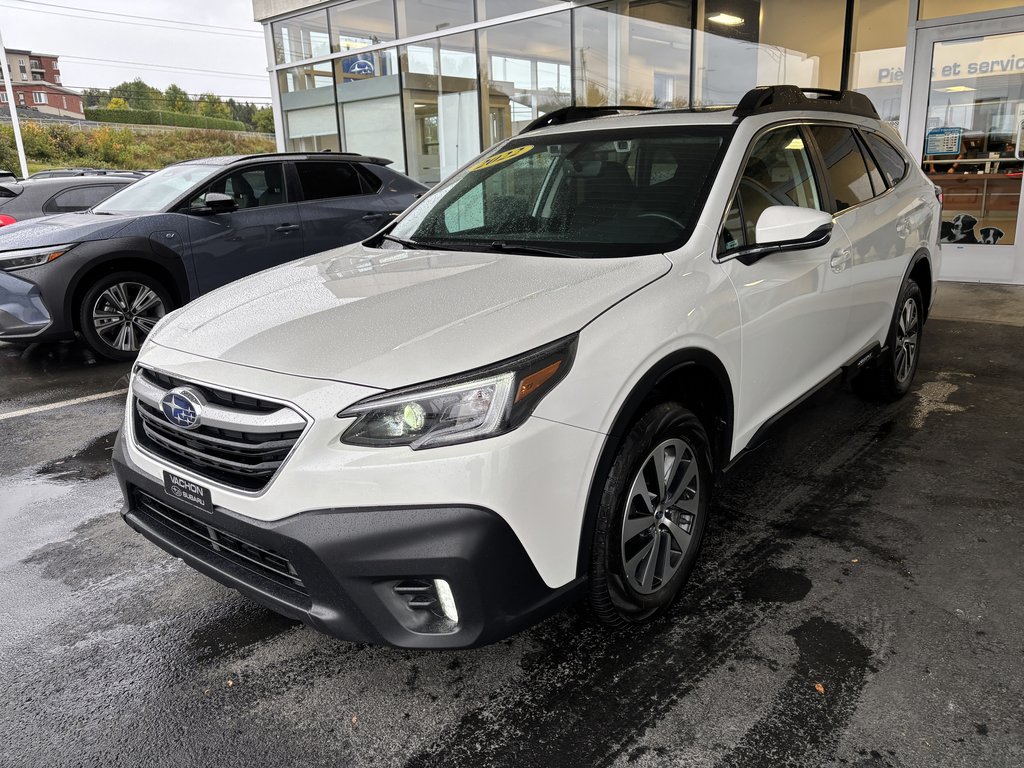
x=447, y=600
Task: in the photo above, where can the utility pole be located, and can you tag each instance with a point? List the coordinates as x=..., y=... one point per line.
x=13, y=108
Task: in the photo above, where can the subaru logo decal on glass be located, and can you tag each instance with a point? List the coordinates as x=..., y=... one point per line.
x=182, y=407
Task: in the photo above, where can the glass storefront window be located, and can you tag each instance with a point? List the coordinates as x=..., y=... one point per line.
x=495, y=9
x=746, y=43
x=308, y=108
x=369, y=105
x=301, y=37
x=633, y=52
x=360, y=23
x=970, y=146
x=879, y=38
x=933, y=9
x=524, y=72
x=416, y=17
x=441, y=106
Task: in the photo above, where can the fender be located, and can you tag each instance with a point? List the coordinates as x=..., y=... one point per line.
x=920, y=255
x=629, y=411
x=128, y=253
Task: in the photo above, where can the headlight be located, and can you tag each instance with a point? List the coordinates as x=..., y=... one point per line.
x=31, y=257
x=482, y=403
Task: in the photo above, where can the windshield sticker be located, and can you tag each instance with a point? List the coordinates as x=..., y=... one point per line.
x=501, y=157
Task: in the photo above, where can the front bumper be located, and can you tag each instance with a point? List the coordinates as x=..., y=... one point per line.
x=350, y=565
x=23, y=312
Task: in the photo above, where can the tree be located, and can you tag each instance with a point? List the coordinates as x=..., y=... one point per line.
x=138, y=94
x=210, y=105
x=117, y=103
x=177, y=100
x=95, y=97
x=263, y=120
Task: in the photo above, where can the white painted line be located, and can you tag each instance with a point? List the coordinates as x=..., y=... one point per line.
x=62, y=404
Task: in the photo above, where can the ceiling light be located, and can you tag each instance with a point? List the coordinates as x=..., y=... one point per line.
x=796, y=143
x=956, y=89
x=725, y=19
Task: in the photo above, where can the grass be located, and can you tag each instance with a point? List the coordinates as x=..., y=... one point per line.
x=60, y=146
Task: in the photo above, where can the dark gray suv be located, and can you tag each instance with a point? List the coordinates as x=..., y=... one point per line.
x=110, y=273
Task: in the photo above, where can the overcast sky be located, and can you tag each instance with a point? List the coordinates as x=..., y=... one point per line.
x=93, y=43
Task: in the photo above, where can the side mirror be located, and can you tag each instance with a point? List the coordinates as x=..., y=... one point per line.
x=787, y=228
x=215, y=202
x=792, y=227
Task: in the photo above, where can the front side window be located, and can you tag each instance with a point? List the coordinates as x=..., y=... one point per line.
x=847, y=172
x=600, y=194
x=778, y=172
x=255, y=186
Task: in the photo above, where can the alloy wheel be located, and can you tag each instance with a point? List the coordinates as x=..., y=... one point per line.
x=661, y=507
x=125, y=313
x=907, y=328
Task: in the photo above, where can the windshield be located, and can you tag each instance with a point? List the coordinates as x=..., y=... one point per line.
x=600, y=193
x=156, y=192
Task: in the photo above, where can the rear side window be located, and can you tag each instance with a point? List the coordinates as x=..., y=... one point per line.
x=778, y=172
x=847, y=172
x=321, y=181
x=79, y=198
x=889, y=159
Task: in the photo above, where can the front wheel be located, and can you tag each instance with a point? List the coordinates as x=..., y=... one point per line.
x=891, y=376
x=118, y=311
x=652, y=516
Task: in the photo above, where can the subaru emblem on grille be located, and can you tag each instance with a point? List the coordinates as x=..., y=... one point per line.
x=183, y=406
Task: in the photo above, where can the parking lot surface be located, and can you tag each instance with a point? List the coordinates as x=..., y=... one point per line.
x=859, y=602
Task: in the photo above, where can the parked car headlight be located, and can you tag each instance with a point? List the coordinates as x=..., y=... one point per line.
x=31, y=257
x=471, y=406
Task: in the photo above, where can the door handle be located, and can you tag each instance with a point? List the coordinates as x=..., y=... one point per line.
x=840, y=259
x=286, y=228
x=372, y=216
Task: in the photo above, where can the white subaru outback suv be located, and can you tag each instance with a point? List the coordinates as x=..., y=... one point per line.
x=521, y=391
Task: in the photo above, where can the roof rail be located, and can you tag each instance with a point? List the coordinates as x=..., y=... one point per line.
x=575, y=114
x=776, y=98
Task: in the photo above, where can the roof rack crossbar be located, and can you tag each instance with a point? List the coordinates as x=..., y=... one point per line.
x=776, y=98
x=575, y=114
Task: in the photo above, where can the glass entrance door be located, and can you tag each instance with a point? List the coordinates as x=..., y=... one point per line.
x=966, y=121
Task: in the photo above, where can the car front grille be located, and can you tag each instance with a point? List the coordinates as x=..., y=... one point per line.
x=252, y=557
x=241, y=441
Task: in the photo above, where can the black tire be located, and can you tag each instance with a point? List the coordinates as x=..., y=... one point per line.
x=97, y=307
x=619, y=599
x=890, y=377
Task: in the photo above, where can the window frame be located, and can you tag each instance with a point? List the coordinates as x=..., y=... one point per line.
x=817, y=172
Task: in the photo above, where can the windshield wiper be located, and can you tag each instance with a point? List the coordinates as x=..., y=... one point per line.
x=416, y=245
x=505, y=247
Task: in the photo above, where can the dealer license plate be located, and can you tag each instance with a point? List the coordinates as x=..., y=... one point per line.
x=187, y=491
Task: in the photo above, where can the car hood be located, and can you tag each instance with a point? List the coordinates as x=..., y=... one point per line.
x=385, y=319
x=61, y=229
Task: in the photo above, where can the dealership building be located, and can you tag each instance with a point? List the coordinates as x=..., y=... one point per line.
x=431, y=83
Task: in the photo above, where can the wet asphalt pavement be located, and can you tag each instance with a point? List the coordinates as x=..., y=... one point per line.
x=860, y=601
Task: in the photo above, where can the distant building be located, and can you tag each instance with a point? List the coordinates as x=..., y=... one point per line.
x=35, y=80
